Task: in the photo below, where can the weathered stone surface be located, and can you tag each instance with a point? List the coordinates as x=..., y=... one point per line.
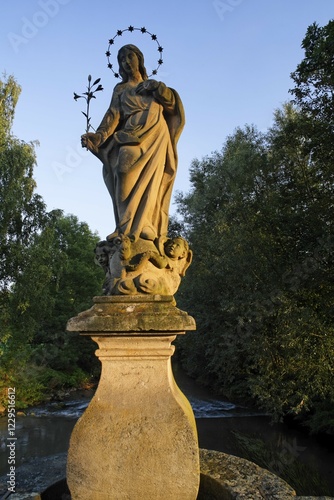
x=137, y=145
x=136, y=142
x=226, y=477
x=143, y=266
x=144, y=315
x=138, y=438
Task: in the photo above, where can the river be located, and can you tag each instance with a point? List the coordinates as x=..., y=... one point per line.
x=222, y=426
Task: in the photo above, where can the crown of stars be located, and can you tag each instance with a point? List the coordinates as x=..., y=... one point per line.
x=144, y=31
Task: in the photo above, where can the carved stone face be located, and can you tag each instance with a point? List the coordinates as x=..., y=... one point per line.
x=175, y=249
x=101, y=256
x=129, y=61
x=123, y=244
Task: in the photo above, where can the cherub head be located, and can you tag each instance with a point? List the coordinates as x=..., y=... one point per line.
x=176, y=248
x=103, y=251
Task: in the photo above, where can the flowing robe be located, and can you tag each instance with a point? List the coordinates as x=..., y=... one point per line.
x=138, y=152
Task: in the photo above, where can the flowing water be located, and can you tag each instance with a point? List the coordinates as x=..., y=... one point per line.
x=222, y=426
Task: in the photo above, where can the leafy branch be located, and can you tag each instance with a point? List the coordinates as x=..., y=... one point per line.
x=88, y=96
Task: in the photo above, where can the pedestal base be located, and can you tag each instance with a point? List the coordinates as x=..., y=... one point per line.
x=137, y=439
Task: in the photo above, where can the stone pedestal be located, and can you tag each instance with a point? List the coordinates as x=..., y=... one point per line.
x=137, y=440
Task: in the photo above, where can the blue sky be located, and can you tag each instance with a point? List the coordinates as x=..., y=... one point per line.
x=230, y=61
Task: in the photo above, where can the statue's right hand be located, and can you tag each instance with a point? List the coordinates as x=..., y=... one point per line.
x=90, y=141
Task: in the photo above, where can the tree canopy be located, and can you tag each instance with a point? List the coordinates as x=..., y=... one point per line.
x=259, y=217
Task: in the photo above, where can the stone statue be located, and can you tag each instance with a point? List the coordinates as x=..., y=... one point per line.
x=136, y=143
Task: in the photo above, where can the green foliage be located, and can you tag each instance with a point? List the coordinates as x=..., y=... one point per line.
x=35, y=384
x=47, y=275
x=259, y=218
x=55, y=380
x=314, y=95
x=22, y=215
x=9, y=94
x=22, y=211
x=313, y=78
x=322, y=418
x=59, y=281
x=25, y=378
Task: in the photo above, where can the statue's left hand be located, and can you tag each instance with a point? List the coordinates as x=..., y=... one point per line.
x=147, y=86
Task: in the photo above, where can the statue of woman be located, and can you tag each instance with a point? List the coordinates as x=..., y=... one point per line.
x=136, y=142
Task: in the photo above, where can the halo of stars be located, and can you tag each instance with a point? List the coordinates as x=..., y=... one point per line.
x=131, y=29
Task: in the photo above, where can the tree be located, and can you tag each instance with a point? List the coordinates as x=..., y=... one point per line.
x=58, y=281
x=313, y=77
x=47, y=274
x=22, y=210
x=296, y=375
x=259, y=220
x=314, y=96
x=220, y=215
x=73, y=281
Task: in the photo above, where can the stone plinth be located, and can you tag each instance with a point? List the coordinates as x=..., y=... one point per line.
x=137, y=439
x=226, y=477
